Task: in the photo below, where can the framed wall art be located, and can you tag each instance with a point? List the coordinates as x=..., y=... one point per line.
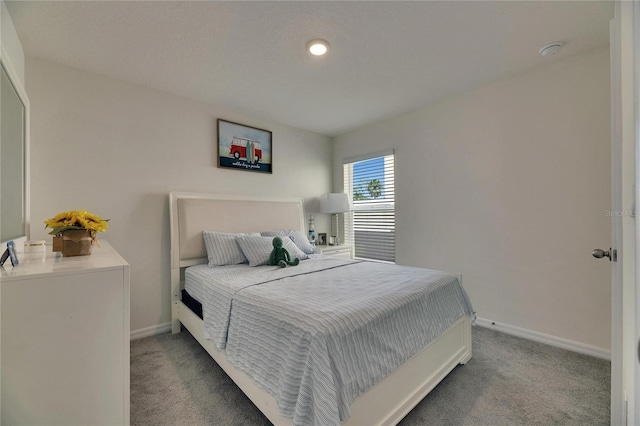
x=244, y=147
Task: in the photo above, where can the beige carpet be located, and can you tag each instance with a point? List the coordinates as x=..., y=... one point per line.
x=509, y=381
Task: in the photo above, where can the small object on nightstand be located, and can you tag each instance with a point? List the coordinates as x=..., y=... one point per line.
x=322, y=239
x=10, y=253
x=4, y=257
x=312, y=231
x=35, y=249
x=38, y=246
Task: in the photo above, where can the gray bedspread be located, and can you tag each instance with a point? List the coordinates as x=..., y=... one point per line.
x=318, y=335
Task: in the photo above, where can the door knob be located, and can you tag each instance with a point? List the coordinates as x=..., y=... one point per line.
x=599, y=253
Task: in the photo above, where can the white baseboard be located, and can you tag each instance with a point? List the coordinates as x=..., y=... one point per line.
x=150, y=331
x=546, y=339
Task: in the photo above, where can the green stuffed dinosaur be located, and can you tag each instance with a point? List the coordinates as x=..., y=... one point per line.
x=280, y=256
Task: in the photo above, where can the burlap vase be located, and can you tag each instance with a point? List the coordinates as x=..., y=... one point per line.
x=76, y=242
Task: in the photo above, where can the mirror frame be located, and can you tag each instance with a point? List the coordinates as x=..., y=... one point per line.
x=5, y=62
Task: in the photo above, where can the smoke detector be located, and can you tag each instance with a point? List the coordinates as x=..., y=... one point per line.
x=551, y=48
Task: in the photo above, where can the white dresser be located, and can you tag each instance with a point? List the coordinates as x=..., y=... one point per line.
x=65, y=339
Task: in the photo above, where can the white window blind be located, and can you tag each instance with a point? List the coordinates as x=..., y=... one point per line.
x=370, y=227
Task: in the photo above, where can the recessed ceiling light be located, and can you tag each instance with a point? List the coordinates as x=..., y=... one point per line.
x=318, y=47
x=551, y=48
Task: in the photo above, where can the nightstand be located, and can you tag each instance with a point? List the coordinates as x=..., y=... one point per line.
x=343, y=250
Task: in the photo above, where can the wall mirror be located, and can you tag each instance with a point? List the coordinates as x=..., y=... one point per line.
x=14, y=158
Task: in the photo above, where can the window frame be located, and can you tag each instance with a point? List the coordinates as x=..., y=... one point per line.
x=386, y=204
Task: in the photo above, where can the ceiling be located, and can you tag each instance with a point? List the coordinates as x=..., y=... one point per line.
x=386, y=58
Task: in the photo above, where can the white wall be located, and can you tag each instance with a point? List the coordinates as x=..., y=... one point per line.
x=118, y=149
x=508, y=185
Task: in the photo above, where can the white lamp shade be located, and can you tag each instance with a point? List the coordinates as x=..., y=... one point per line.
x=334, y=203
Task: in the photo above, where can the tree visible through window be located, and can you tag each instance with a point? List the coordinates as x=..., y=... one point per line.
x=370, y=227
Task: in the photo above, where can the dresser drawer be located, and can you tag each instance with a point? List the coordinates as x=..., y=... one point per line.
x=342, y=251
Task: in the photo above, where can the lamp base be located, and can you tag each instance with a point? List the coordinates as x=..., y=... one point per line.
x=335, y=235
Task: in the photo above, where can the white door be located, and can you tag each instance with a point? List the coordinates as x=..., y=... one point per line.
x=625, y=87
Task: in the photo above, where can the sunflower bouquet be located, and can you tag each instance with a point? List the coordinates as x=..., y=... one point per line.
x=76, y=219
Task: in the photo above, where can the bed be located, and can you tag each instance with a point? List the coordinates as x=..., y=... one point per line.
x=238, y=300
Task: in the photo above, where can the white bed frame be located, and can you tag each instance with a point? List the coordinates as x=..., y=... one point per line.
x=384, y=404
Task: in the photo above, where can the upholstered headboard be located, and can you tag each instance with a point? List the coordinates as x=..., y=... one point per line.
x=192, y=213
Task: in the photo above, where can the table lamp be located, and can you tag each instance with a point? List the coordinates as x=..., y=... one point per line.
x=335, y=203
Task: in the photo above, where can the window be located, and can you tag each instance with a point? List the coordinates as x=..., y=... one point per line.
x=371, y=225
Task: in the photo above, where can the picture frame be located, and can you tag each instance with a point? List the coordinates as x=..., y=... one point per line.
x=322, y=239
x=9, y=253
x=244, y=147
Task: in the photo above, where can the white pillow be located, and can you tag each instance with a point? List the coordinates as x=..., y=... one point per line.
x=298, y=237
x=258, y=249
x=223, y=249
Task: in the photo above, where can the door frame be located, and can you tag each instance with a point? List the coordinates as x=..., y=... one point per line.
x=625, y=149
